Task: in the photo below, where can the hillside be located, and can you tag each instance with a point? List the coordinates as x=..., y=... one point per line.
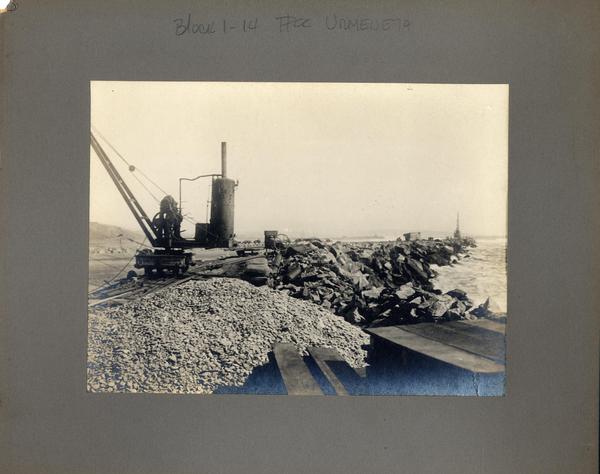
x=105, y=235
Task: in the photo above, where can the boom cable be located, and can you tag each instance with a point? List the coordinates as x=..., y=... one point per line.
x=133, y=168
x=151, y=181
x=146, y=188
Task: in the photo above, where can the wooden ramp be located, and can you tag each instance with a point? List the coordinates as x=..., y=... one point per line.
x=299, y=380
x=344, y=379
x=477, y=346
x=296, y=376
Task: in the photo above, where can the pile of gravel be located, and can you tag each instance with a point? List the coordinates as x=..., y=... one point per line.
x=202, y=335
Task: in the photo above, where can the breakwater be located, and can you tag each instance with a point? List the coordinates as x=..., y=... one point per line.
x=375, y=283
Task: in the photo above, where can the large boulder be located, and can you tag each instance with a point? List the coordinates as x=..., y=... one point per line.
x=359, y=281
x=459, y=294
x=405, y=291
x=372, y=294
x=415, y=268
x=441, y=304
x=482, y=310
x=353, y=316
x=488, y=309
x=293, y=272
x=299, y=249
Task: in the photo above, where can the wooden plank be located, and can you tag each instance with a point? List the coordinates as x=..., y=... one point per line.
x=296, y=376
x=323, y=356
x=482, y=323
x=473, y=339
x=436, y=350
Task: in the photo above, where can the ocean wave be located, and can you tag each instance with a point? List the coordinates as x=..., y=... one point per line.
x=482, y=274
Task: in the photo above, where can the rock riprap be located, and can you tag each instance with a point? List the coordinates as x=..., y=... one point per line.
x=375, y=283
x=201, y=335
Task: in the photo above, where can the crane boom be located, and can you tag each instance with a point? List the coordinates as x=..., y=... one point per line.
x=134, y=206
x=163, y=231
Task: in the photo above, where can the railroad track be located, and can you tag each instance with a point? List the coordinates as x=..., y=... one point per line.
x=133, y=290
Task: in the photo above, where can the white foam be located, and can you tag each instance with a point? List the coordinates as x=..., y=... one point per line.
x=482, y=275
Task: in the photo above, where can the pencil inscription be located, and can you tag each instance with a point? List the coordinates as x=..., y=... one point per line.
x=288, y=24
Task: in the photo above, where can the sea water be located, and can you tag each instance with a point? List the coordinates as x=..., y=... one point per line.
x=481, y=275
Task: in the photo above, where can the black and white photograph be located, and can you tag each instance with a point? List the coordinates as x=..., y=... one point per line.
x=297, y=238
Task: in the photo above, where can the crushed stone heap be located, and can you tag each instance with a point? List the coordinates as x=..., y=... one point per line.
x=201, y=335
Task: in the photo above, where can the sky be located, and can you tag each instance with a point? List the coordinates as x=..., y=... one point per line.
x=318, y=159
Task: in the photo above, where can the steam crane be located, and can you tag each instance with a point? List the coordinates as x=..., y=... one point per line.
x=163, y=230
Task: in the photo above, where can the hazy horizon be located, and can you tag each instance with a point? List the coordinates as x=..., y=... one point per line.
x=322, y=159
x=293, y=234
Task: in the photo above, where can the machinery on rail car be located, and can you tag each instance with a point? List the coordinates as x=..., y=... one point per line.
x=169, y=250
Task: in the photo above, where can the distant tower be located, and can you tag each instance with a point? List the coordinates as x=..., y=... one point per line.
x=457, y=231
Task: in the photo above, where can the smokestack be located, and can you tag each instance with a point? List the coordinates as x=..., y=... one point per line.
x=224, y=159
